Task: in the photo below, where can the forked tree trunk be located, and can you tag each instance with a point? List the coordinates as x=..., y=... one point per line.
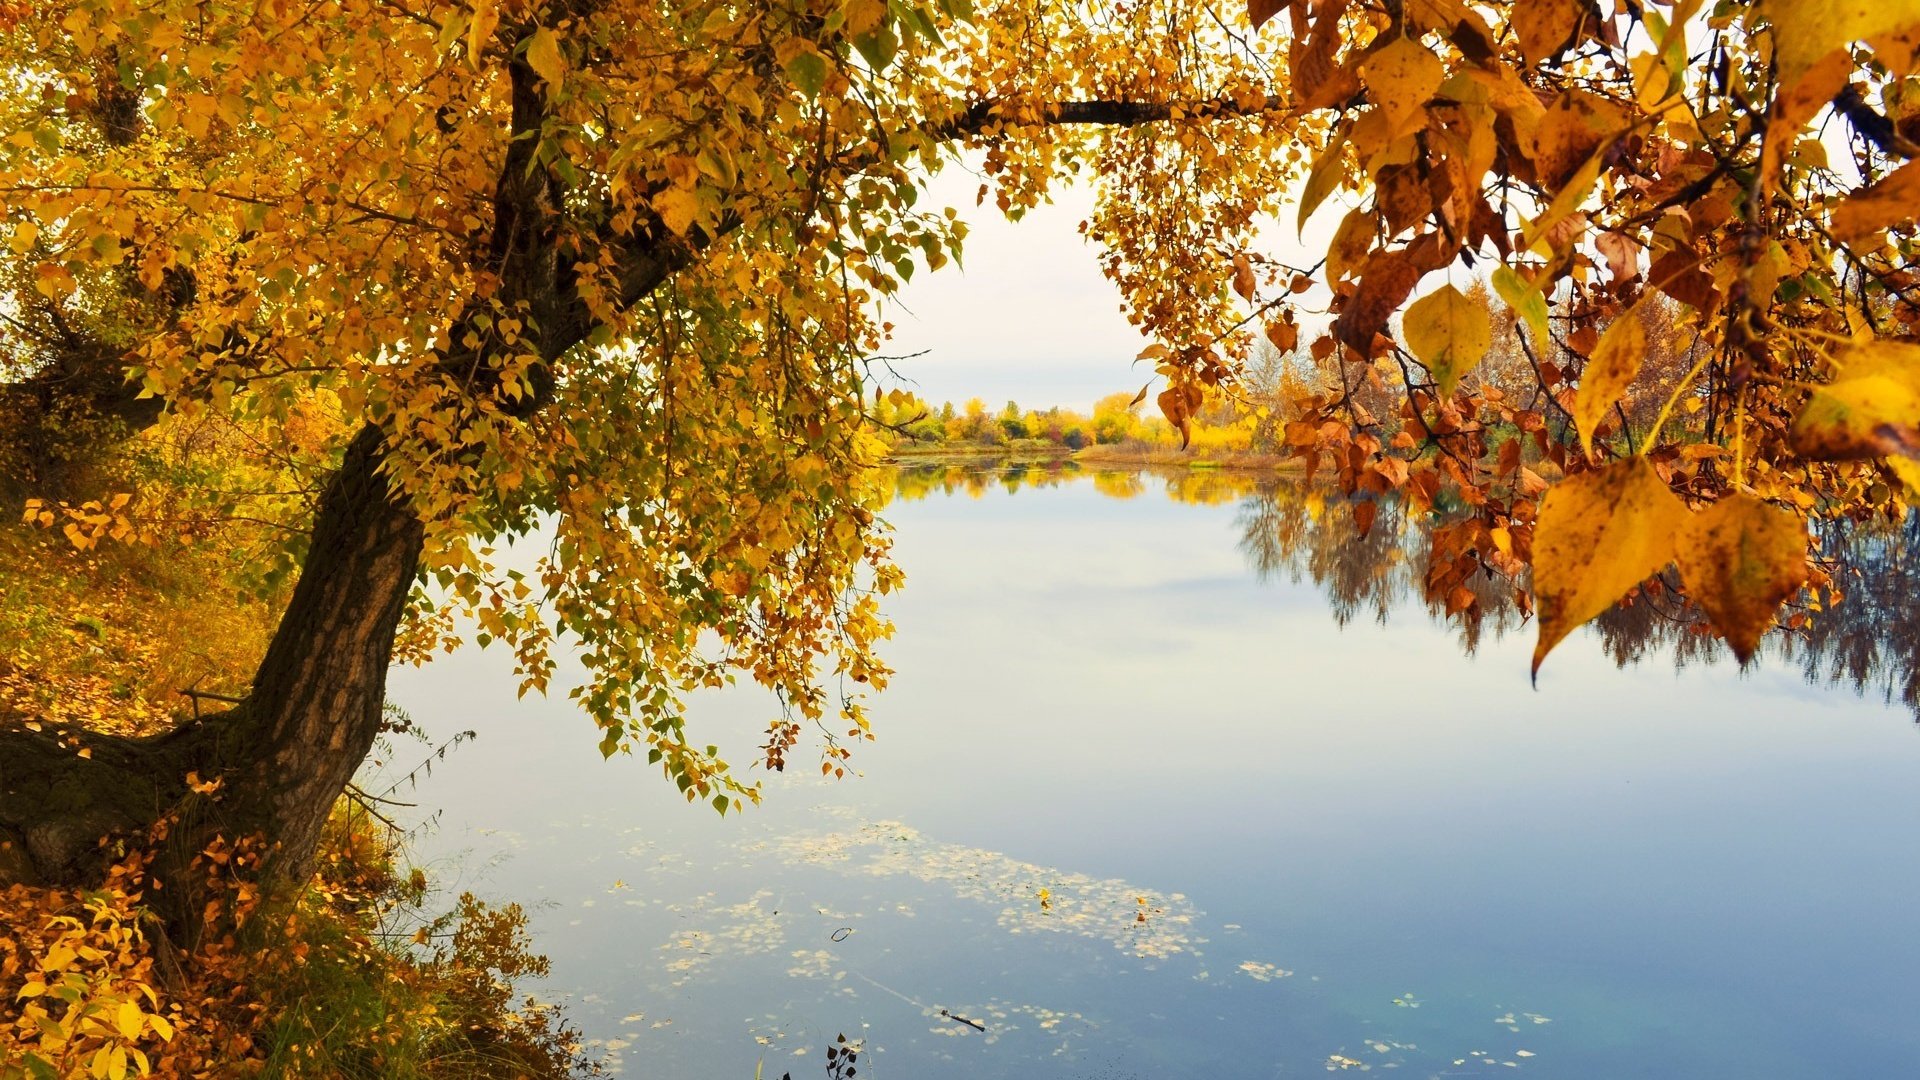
x=283, y=756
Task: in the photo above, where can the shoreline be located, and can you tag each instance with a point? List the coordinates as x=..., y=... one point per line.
x=1113, y=456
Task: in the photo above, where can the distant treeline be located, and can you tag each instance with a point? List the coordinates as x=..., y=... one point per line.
x=1248, y=418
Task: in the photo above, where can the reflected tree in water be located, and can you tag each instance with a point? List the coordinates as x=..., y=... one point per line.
x=1866, y=637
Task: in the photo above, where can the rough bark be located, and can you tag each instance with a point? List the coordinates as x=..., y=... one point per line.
x=317, y=699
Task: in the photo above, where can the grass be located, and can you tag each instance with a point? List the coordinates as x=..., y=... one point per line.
x=107, y=638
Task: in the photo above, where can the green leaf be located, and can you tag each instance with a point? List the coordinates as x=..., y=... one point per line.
x=808, y=70
x=1526, y=301
x=878, y=47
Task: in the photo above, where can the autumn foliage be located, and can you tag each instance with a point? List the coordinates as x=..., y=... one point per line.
x=617, y=271
x=1732, y=180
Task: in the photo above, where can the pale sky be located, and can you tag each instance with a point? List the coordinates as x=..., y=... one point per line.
x=1028, y=316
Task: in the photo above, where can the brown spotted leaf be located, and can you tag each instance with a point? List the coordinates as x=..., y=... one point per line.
x=1385, y=283
x=1575, y=127
x=1598, y=535
x=1544, y=27
x=1741, y=558
x=1401, y=78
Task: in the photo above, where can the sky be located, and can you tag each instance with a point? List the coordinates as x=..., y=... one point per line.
x=1028, y=317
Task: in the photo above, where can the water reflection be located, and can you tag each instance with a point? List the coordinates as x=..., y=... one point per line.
x=1133, y=813
x=1868, y=640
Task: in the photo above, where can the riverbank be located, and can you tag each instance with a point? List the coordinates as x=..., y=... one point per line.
x=367, y=971
x=1125, y=455
x=1107, y=455
x=1023, y=451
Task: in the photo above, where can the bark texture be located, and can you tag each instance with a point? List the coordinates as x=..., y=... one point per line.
x=317, y=698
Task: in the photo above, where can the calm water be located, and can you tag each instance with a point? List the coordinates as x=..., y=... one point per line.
x=1357, y=837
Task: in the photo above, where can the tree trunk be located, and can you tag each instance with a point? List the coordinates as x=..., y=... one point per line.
x=317, y=699
x=283, y=756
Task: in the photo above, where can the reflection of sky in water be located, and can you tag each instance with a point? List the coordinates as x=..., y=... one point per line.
x=1352, y=847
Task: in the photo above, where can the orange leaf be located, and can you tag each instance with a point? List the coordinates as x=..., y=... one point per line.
x=1894, y=200
x=1740, y=558
x=1545, y=27
x=1599, y=534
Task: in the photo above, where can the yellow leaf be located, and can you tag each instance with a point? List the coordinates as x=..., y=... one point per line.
x=1449, y=332
x=1796, y=103
x=1740, y=558
x=1616, y=360
x=1402, y=78
x=129, y=1019
x=543, y=56
x=161, y=1026
x=1599, y=534
x=1894, y=200
x=1328, y=170
x=1805, y=31
x=677, y=207
x=1872, y=409
x=1543, y=26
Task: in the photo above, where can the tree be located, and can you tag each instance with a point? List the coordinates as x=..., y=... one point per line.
x=613, y=268
x=602, y=267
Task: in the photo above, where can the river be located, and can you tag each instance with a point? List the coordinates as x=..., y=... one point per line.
x=1178, y=777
